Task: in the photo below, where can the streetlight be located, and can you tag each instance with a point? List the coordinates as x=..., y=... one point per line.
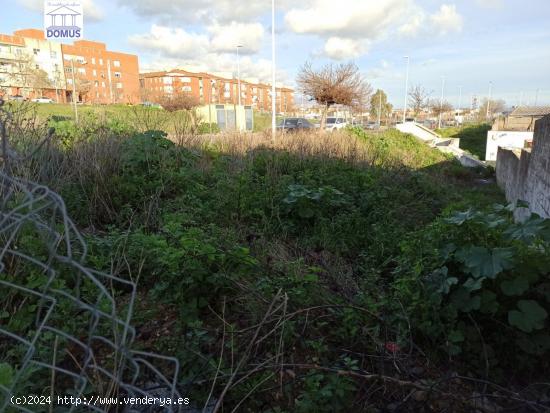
x=406, y=88
x=273, y=94
x=441, y=101
x=489, y=101
x=239, y=73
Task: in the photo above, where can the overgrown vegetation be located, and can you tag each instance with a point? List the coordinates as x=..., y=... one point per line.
x=473, y=138
x=322, y=273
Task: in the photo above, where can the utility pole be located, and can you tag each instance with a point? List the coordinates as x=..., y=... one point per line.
x=273, y=94
x=239, y=74
x=521, y=98
x=74, y=92
x=441, y=100
x=406, y=89
x=489, y=100
x=380, y=109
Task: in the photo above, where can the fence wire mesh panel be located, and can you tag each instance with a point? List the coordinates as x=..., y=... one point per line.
x=65, y=329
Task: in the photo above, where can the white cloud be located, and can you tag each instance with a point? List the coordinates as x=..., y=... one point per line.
x=447, y=19
x=92, y=11
x=166, y=48
x=339, y=48
x=348, y=18
x=414, y=25
x=178, y=11
x=225, y=38
x=349, y=27
x=175, y=42
x=172, y=42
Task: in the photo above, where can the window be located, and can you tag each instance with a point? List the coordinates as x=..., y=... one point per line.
x=37, y=67
x=68, y=70
x=102, y=84
x=116, y=63
x=70, y=81
x=167, y=80
x=81, y=70
x=185, y=79
x=93, y=60
x=118, y=75
x=119, y=85
x=94, y=72
x=101, y=62
x=53, y=55
x=81, y=60
x=36, y=51
x=96, y=83
x=186, y=89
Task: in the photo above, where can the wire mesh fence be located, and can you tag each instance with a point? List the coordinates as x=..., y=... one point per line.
x=65, y=328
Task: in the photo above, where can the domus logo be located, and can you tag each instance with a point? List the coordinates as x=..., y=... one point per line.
x=63, y=19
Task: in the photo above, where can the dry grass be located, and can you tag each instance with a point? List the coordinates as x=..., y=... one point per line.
x=341, y=145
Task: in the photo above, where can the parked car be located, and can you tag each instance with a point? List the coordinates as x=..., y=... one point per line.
x=42, y=100
x=152, y=105
x=17, y=98
x=372, y=125
x=335, y=123
x=294, y=125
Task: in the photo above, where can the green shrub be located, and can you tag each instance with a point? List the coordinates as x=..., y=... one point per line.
x=474, y=277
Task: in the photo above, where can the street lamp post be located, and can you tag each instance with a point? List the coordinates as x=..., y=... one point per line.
x=380, y=109
x=273, y=94
x=489, y=100
x=441, y=100
x=239, y=74
x=406, y=89
x=74, y=92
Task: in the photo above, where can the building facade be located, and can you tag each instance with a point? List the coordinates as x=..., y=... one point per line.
x=207, y=89
x=31, y=66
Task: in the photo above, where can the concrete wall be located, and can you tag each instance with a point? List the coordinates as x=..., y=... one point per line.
x=524, y=174
x=506, y=139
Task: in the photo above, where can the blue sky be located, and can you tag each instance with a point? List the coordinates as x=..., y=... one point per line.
x=469, y=42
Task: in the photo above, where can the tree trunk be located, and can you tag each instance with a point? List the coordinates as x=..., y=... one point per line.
x=324, y=117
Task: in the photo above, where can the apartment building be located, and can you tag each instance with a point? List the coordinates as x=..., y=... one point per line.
x=31, y=66
x=100, y=75
x=208, y=89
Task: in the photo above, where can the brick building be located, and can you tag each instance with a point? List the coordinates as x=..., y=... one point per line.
x=208, y=88
x=101, y=75
x=30, y=66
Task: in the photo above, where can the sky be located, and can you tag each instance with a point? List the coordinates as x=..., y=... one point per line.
x=458, y=48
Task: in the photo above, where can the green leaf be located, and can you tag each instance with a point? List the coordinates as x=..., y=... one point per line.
x=472, y=284
x=456, y=336
x=6, y=374
x=463, y=301
x=530, y=316
x=517, y=286
x=482, y=262
x=489, y=303
x=526, y=231
x=536, y=344
x=460, y=218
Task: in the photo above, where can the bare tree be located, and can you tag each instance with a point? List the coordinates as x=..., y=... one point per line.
x=180, y=101
x=495, y=106
x=438, y=107
x=38, y=80
x=341, y=84
x=419, y=98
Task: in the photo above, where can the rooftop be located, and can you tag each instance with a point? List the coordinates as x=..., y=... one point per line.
x=530, y=111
